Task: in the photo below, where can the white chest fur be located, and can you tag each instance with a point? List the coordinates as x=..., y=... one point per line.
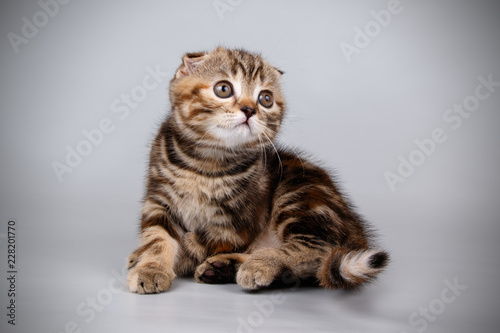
x=196, y=200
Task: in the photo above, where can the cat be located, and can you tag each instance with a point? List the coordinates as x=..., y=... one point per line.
x=226, y=204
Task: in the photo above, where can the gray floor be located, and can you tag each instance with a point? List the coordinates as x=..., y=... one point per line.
x=73, y=233
x=71, y=274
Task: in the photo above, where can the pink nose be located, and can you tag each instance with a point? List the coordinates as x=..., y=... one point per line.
x=248, y=111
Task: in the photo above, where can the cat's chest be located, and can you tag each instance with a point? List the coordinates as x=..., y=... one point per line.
x=199, y=200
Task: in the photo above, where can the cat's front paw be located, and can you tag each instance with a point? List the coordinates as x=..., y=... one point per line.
x=257, y=273
x=149, y=279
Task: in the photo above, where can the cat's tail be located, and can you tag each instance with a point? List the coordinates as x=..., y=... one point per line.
x=348, y=269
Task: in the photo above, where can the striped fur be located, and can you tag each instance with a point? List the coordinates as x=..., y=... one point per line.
x=224, y=203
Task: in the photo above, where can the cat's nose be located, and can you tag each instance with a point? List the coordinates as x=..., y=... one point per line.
x=248, y=111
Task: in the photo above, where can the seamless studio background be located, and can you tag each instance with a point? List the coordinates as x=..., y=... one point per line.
x=401, y=98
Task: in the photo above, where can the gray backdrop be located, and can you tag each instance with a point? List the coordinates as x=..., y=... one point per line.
x=400, y=98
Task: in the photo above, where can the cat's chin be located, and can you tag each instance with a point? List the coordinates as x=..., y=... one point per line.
x=237, y=136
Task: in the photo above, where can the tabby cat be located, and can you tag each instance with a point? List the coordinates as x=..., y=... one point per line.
x=224, y=203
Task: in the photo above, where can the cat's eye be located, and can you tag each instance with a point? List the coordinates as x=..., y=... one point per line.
x=223, y=89
x=266, y=99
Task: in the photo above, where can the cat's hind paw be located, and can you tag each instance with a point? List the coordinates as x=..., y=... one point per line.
x=256, y=274
x=215, y=271
x=220, y=268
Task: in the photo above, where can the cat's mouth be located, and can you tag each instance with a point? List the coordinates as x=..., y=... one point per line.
x=236, y=132
x=242, y=130
x=239, y=125
x=245, y=124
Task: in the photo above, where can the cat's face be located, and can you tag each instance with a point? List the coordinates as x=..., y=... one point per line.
x=227, y=98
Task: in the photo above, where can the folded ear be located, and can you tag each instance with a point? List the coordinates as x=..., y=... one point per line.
x=279, y=71
x=189, y=62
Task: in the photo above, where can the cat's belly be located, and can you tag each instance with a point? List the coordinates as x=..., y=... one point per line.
x=219, y=234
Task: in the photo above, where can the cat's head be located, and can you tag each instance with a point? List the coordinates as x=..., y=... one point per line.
x=228, y=98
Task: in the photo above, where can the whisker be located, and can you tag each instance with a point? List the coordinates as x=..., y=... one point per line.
x=262, y=151
x=277, y=154
x=201, y=139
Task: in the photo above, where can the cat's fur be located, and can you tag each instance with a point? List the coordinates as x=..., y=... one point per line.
x=223, y=203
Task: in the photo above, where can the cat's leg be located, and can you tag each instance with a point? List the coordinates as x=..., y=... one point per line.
x=265, y=266
x=321, y=235
x=333, y=267
x=220, y=268
x=191, y=254
x=152, y=263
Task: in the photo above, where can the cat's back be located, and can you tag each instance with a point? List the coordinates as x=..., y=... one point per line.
x=293, y=168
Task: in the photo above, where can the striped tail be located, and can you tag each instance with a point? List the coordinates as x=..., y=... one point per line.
x=348, y=269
